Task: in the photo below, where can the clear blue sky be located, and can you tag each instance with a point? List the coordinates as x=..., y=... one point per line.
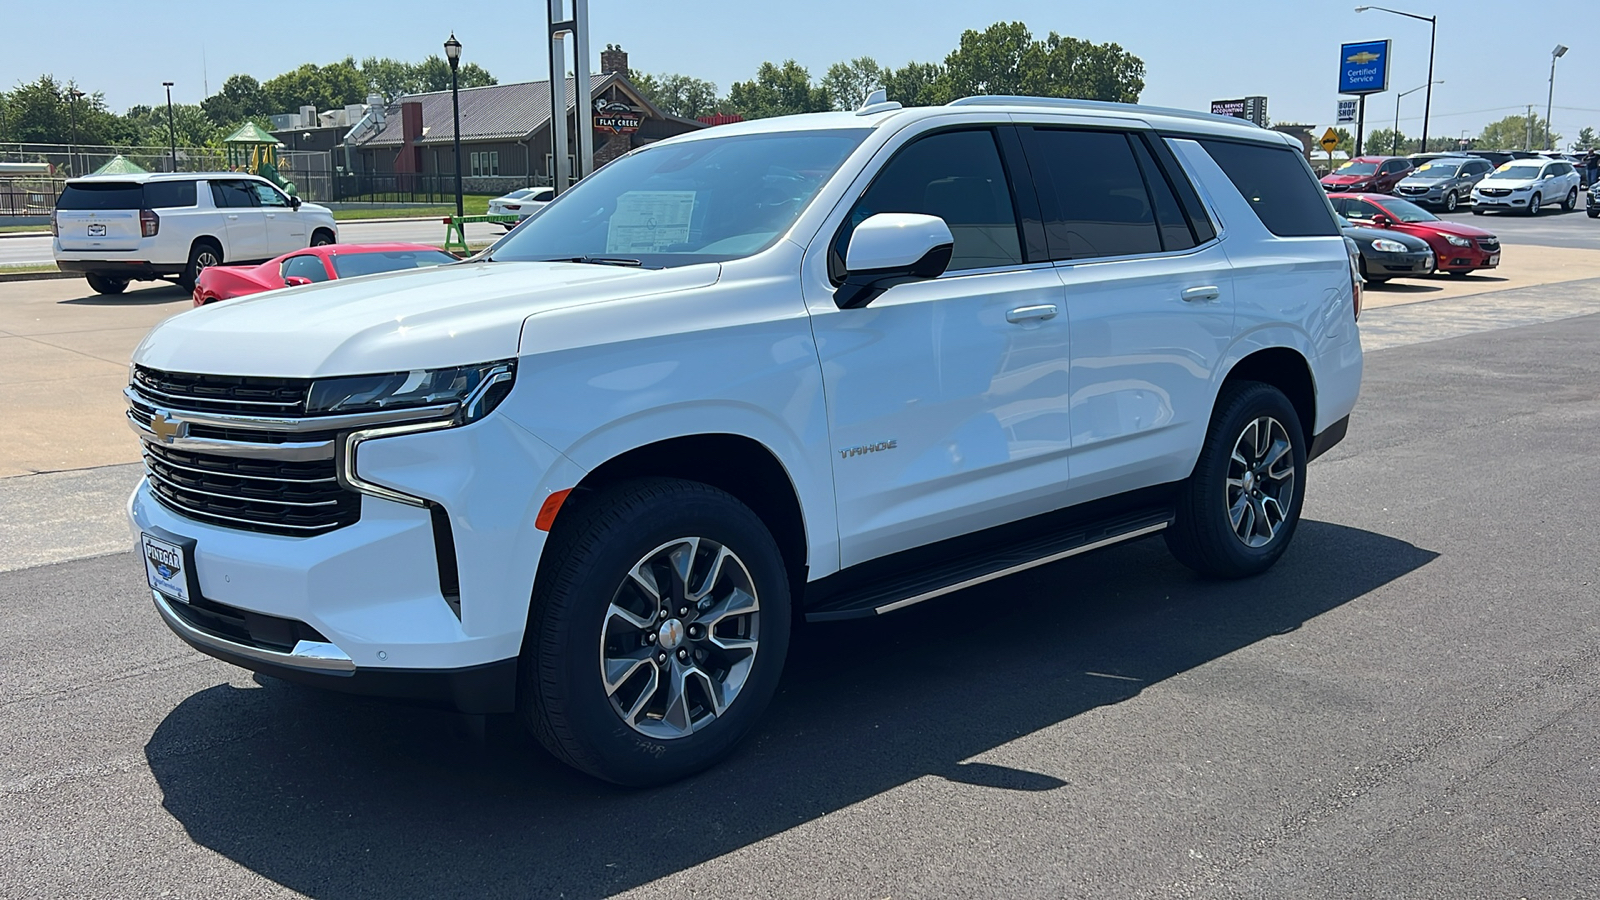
x=1494, y=55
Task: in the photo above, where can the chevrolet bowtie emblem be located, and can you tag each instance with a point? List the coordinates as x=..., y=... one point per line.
x=1363, y=57
x=166, y=428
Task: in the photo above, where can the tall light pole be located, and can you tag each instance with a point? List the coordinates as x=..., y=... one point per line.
x=172, y=130
x=452, y=52
x=72, y=149
x=1433, y=40
x=1550, y=104
x=1394, y=149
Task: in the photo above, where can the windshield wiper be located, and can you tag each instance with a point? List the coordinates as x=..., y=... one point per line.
x=597, y=260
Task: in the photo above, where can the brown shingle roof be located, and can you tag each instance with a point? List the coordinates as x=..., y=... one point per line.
x=496, y=112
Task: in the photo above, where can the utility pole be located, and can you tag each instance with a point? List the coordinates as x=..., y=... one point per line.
x=1527, y=142
x=172, y=130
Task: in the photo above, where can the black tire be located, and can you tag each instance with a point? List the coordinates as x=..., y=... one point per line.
x=1534, y=203
x=203, y=255
x=321, y=237
x=598, y=540
x=106, y=284
x=1202, y=534
x=1571, y=203
x=1451, y=201
x=1594, y=212
x=1478, y=212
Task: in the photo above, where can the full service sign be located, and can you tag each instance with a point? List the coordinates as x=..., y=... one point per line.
x=1364, y=67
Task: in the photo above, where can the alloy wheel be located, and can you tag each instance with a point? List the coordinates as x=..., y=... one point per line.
x=1450, y=201
x=1533, y=205
x=1260, y=481
x=679, y=638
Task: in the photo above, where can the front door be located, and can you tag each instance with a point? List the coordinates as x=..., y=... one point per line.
x=246, y=225
x=947, y=399
x=286, y=231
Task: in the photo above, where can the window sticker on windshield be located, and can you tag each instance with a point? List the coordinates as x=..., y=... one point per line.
x=1503, y=167
x=1424, y=167
x=650, y=221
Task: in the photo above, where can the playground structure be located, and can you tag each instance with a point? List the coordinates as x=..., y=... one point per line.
x=251, y=149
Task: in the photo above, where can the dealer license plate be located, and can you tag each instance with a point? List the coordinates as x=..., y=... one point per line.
x=97, y=230
x=166, y=565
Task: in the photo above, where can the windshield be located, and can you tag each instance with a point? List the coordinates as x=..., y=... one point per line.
x=1509, y=172
x=349, y=265
x=1438, y=170
x=706, y=200
x=1358, y=168
x=1408, y=212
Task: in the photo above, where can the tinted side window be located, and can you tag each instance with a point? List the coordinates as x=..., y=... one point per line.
x=232, y=194
x=266, y=195
x=1174, y=225
x=957, y=176
x=1095, y=199
x=304, y=266
x=1279, y=186
x=169, y=194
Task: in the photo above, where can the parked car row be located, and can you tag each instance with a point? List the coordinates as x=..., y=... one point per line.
x=1386, y=231
x=1525, y=182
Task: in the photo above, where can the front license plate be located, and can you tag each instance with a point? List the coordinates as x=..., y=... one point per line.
x=167, y=566
x=97, y=231
x=1494, y=259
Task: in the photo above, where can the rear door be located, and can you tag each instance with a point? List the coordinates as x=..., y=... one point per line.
x=1149, y=298
x=245, y=221
x=286, y=230
x=100, y=216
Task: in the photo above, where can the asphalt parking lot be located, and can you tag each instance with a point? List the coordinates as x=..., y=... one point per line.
x=1406, y=706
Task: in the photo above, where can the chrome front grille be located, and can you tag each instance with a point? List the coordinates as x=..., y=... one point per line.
x=1489, y=243
x=293, y=498
x=1495, y=192
x=223, y=393
x=1413, y=189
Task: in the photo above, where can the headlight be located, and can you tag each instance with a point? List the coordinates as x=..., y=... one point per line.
x=1525, y=187
x=1458, y=241
x=476, y=389
x=1384, y=245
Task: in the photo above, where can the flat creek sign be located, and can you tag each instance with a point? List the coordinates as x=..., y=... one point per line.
x=618, y=118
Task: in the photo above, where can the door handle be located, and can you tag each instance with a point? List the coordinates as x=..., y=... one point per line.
x=1031, y=313
x=1195, y=294
x=234, y=216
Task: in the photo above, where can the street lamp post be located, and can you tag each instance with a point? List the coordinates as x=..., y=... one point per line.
x=172, y=130
x=1394, y=148
x=452, y=52
x=72, y=149
x=1433, y=41
x=1550, y=104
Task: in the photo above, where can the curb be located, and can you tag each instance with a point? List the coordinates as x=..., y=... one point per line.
x=6, y=277
x=24, y=234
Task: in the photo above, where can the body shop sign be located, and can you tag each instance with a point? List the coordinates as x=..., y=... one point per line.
x=618, y=118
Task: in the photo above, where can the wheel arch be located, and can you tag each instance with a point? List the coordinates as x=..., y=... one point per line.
x=214, y=241
x=735, y=463
x=1286, y=369
x=333, y=236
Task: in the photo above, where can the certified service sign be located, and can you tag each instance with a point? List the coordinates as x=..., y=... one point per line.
x=1364, y=67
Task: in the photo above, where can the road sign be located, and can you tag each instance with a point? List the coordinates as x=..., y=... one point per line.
x=1347, y=112
x=1330, y=140
x=1364, y=67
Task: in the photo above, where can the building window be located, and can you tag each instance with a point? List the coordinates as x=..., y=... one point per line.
x=485, y=162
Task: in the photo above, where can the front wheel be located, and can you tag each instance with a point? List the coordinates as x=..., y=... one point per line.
x=1451, y=201
x=658, y=630
x=321, y=238
x=1571, y=203
x=1533, y=205
x=1594, y=212
x=1238, y=510
x=1478, y=212
x=106, y=284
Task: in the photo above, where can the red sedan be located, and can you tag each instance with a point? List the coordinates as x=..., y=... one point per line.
x=1459, y=248
x=312, y=265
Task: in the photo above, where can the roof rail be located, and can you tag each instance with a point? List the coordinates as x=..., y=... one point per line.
x=1093, y=105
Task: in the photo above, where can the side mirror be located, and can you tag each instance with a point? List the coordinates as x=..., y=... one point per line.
x=1382, y=221
x=889, y=249
x=296, y=281
x=294, y=202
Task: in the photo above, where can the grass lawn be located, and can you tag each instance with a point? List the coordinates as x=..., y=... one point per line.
x=30, y=269
x=473, y=204
x=22, y=229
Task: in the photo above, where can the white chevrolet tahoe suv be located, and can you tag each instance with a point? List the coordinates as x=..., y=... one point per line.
x=120, y=228
x=817, y=367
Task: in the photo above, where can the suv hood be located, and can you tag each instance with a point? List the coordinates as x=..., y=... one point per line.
x=425, y=318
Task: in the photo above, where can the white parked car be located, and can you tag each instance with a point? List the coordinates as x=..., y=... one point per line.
x=827, y=366
x=120, y=228
x=521, y=204
x=1527, y=186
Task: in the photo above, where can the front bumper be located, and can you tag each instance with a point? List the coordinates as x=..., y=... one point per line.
x=1511, y=201
x=1461, y=259
x=1382, y=265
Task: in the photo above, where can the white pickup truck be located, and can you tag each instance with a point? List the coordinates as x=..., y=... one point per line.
x=818, y=367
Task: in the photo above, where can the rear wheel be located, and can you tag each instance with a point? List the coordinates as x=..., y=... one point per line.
x=1571, y=203
x=203, y=255
x=106, y=284
x=657, y=633
x=1238, y=511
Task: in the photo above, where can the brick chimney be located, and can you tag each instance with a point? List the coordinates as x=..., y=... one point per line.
x=614, y=59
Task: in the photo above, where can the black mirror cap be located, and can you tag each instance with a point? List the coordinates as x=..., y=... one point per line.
x=861, y=288
x=294, y=202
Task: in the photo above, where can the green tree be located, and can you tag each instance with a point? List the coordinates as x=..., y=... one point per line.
x=677, y=95
x=916, y=84
x=1586, y=139
x=190, y=123
x=1002, y=59
x=1515, y=133
x=1387, y=142
x=325, y=87
x=1347, y=141
x=47, y=111
x=240, y=98
x=433, y=74
x=777, y=90
x=849, y=83
x=1006, y=59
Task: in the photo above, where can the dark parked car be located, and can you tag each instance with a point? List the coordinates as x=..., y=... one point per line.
x=1368, y=175
x=1592, y=207
x=1458, y=248
x=1387, y=254
x=1445, y=182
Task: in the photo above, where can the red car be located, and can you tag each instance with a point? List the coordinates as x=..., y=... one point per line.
x=312, y=265
x=1367, y=175
x=1459, y=248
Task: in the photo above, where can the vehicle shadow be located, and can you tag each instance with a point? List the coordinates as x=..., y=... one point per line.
x=136, y=296
x=337, y=797
x=1402, y=287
